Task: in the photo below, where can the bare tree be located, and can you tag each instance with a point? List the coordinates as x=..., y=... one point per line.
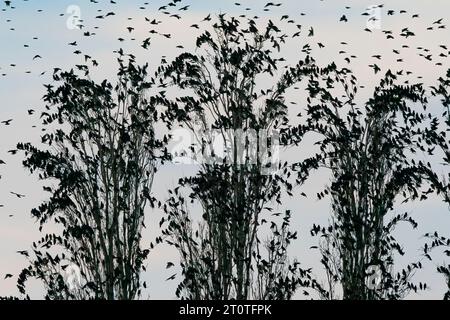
x=224, y=258
x=370, y=154
x=100, y=155
x=440, y=139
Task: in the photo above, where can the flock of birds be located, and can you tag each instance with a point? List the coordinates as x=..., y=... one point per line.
x=175, y=11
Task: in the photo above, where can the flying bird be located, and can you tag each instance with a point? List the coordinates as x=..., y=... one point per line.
x=18, y=195
x=172, y=277
x=23, y=253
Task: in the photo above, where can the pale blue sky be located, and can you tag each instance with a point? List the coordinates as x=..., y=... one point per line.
x=20, y=91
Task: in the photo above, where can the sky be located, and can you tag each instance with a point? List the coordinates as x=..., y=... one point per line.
x=49, y=21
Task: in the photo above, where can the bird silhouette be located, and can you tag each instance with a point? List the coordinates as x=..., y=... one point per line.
x=18, y=195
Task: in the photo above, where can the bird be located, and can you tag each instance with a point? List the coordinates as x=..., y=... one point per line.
x=146, y=43
x=375, y=68
x=172, y=277
x=7, y=122
x=18, y=195
x=8, y=275
x=23, y=252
